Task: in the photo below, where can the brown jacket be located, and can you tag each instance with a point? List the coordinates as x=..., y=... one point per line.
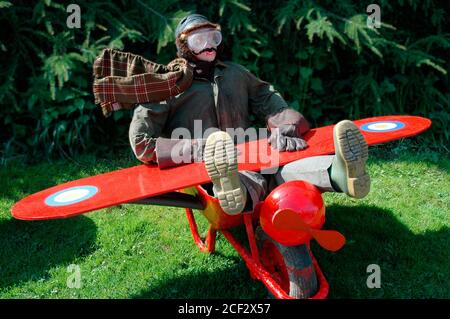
x=228, y=102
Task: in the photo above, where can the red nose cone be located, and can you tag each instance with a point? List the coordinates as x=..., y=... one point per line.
x=301, y=197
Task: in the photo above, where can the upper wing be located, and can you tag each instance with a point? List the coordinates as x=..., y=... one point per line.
x=258, y=155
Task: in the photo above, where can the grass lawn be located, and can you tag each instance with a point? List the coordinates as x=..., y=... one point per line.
x=134, y=251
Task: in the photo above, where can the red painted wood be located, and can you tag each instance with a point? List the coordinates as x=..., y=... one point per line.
x=130, y=184
x=320, y=142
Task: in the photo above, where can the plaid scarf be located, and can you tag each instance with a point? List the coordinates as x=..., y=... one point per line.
x=123, y=79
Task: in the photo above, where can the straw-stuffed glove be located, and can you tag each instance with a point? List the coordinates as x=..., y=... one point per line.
x=286, y=128
x=285, y=139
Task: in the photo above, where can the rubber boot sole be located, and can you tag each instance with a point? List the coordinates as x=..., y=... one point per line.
x=348, y=170
x=221, y=164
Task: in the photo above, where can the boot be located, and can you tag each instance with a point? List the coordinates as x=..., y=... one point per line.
x=221, y=164
x=348, y=170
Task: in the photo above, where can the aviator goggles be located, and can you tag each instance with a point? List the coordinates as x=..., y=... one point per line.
x=199, y=40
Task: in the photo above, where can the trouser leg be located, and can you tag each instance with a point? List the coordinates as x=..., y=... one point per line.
x=256, y=185
x=314, y=170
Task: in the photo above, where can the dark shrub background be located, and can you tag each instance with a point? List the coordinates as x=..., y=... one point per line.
x=320, y=55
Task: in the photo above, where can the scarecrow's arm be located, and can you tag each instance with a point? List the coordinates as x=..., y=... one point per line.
x=150, y=147
x=268, y=104
x=285, y=124
x=145, y=127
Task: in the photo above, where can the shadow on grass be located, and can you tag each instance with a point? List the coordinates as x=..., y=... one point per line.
x=412, y=265
x=30, y=249
x=232, y=282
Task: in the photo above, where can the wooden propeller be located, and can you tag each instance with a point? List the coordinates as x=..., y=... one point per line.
x=289, y=220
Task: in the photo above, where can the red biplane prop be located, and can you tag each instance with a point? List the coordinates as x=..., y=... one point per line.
x=290, y=216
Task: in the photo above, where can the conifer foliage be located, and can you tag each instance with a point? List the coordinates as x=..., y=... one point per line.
x=321, y=55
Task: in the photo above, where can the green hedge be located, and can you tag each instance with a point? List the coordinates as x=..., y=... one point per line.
x=319, y=54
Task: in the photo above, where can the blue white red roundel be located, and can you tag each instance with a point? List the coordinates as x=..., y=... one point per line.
x=71, y=195
x=383, y=126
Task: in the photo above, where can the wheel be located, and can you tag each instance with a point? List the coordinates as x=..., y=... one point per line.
x=290, y=266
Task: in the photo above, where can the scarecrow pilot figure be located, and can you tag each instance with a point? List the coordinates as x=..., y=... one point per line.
x=223, y=95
